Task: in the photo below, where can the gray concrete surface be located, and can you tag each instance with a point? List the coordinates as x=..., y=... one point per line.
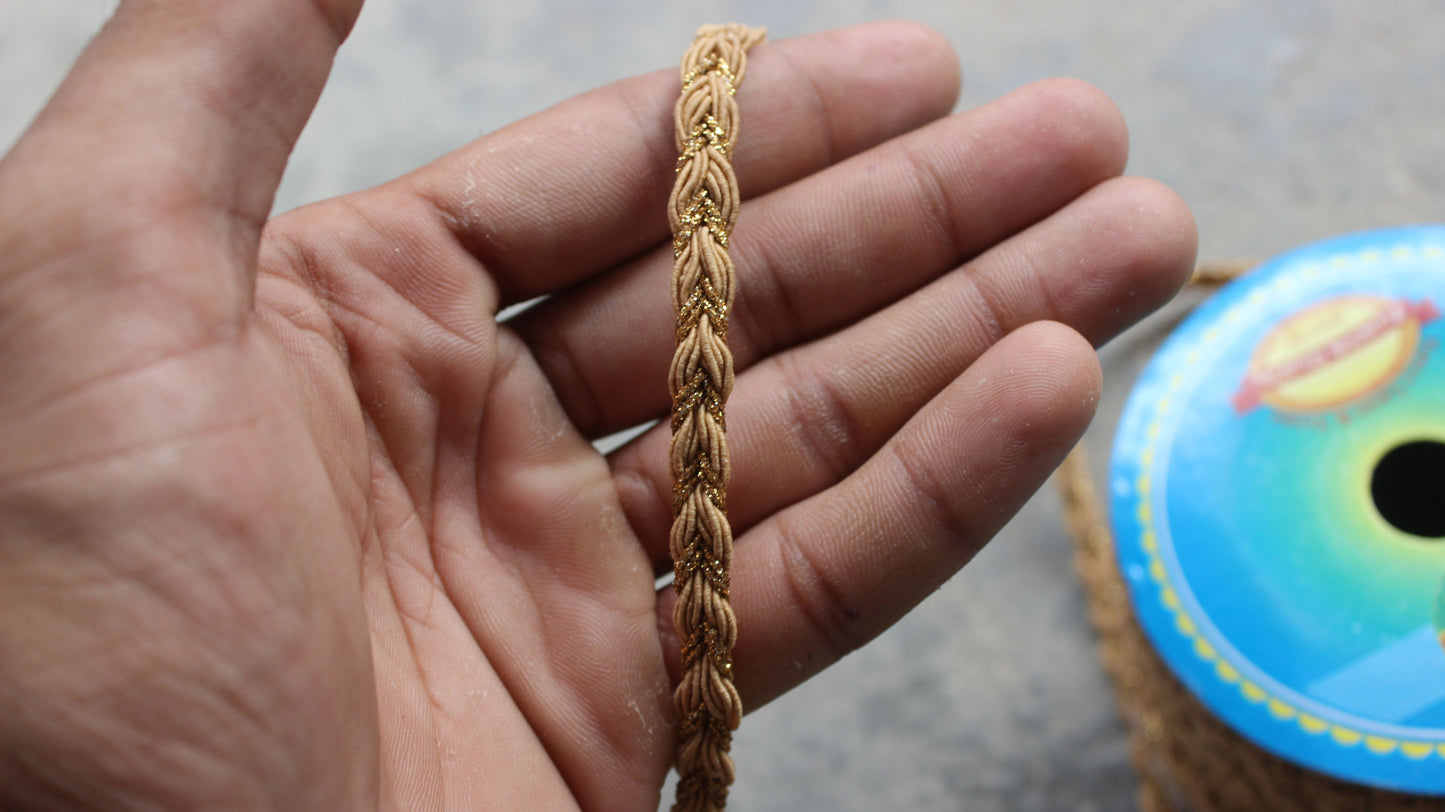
x=1280, y=122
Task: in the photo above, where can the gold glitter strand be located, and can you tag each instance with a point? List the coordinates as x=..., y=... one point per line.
x=702, y=211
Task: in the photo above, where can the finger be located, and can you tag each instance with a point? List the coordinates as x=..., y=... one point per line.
x=580, y=187
x=824, y=252
x=806, y=418
x=825, y=576
x=180, y=112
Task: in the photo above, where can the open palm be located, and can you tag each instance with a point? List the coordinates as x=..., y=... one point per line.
x=288, y=519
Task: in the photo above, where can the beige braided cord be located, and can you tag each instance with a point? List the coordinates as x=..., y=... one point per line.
x=703, y=210
x=1188, y=759
x=1219, y=271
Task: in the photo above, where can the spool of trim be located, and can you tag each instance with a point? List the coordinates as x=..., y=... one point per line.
x=1278, y=500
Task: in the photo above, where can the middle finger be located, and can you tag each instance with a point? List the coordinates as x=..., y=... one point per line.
x=808, y=417
x=834, y=247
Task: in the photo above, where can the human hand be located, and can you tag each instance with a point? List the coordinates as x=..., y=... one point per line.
x=289, y=520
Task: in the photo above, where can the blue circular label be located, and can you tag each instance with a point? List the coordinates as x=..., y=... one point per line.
x=1277, y=483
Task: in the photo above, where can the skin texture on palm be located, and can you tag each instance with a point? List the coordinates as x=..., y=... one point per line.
x=289, y=520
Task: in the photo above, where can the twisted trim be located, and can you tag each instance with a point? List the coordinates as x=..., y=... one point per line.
x=702, y=211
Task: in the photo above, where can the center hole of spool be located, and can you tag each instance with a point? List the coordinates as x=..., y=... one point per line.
x=1408, y=487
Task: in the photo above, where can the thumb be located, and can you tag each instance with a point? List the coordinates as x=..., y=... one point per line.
x=167, y=139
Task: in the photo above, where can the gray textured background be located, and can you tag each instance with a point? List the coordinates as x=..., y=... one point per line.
x=1280, y=122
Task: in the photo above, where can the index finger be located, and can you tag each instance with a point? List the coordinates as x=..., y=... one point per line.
x=571, y=191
